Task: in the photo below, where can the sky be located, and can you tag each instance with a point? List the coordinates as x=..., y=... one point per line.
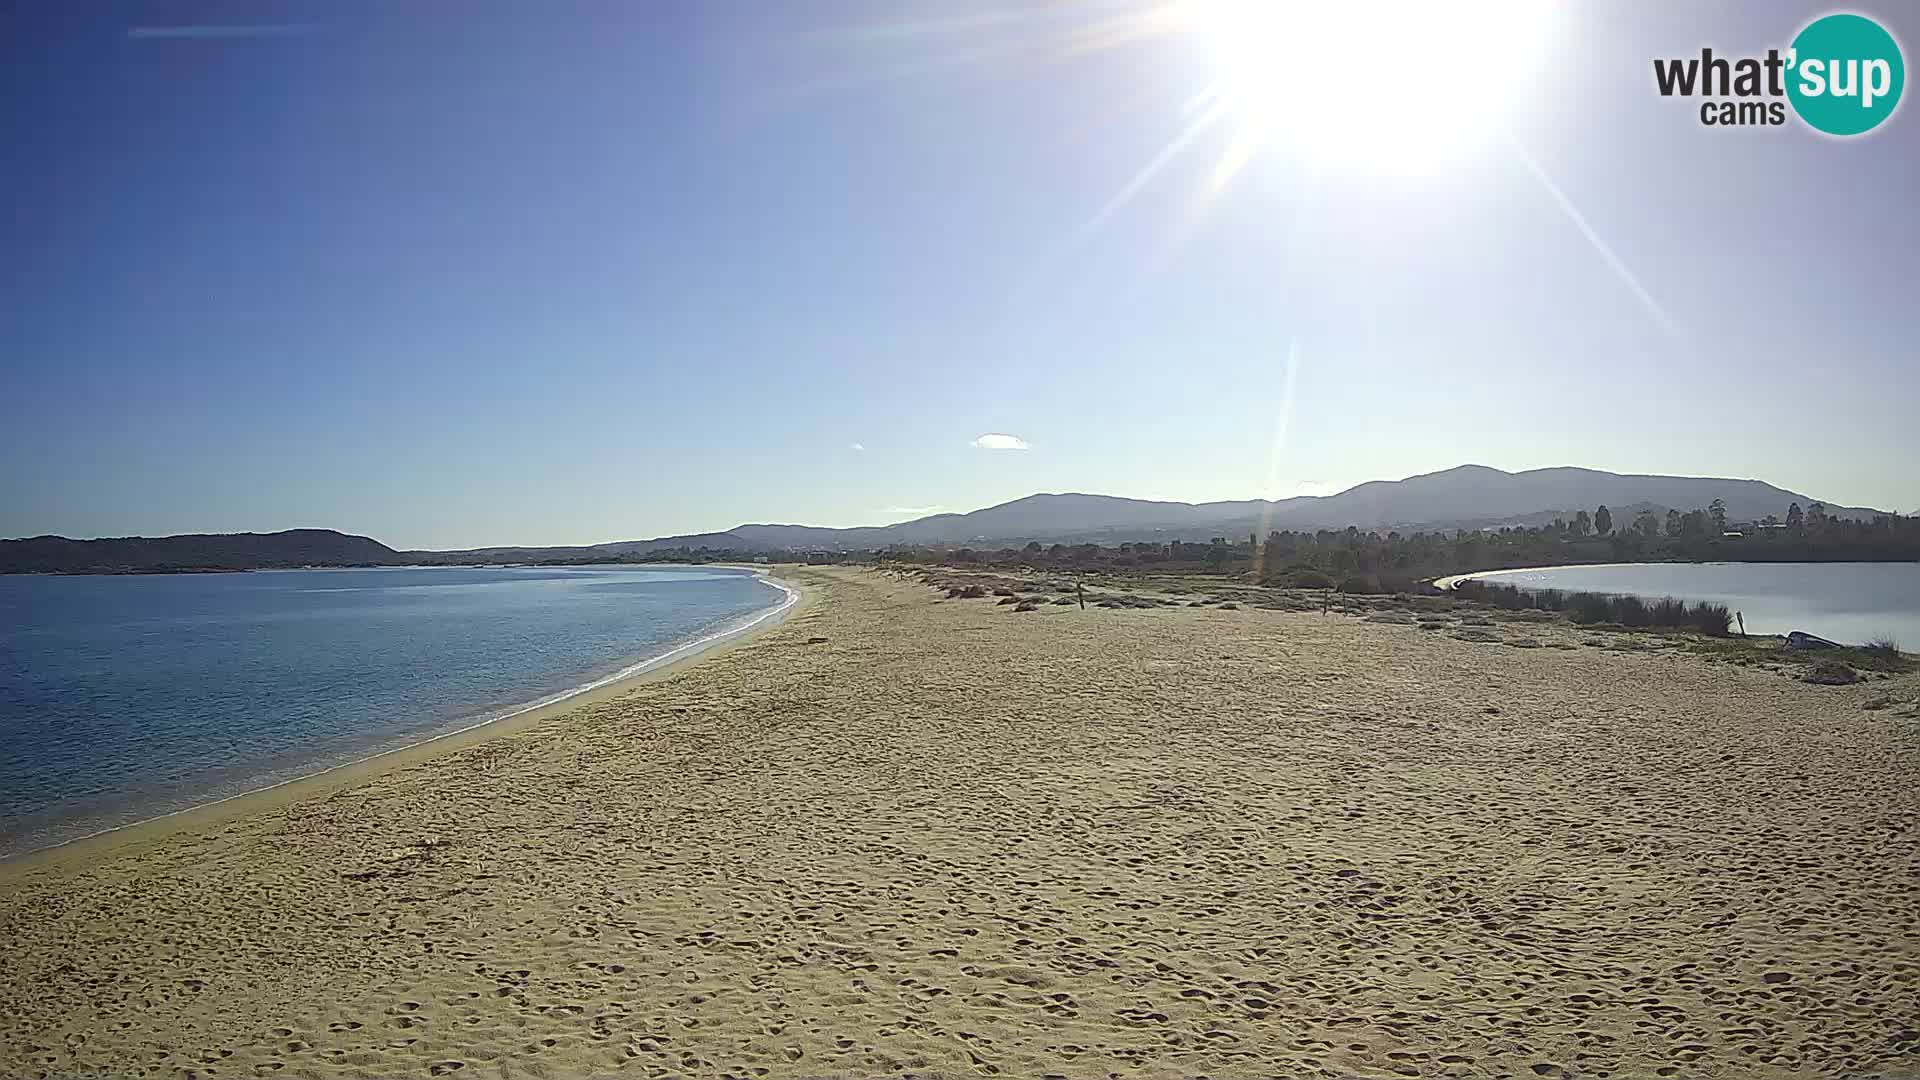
x=492, y=273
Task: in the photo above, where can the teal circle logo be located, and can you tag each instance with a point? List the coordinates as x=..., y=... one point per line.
x=1846, y=74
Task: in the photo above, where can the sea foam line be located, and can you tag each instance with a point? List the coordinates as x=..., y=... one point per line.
x=678, y=652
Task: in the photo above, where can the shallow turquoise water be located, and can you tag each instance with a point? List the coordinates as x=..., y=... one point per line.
x=126, y=696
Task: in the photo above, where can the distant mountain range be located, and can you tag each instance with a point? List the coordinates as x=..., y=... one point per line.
x=1470, y=496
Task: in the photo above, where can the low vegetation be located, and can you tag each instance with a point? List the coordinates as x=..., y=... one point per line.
x=1481, y=612
x=1883, y=649
x=1831, y=673
x=1591, y=607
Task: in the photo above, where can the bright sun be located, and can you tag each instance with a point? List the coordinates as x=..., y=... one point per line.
x=1403, y=85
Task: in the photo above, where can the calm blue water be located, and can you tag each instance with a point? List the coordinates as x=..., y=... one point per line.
x=123, y=697
x=1848, y=602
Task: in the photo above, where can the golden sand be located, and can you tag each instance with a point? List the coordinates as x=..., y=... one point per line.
x=955, y=838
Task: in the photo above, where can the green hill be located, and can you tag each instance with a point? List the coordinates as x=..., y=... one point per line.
x=205, y=551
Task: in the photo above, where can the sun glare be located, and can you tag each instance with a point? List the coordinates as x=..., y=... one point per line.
x=1400, y=85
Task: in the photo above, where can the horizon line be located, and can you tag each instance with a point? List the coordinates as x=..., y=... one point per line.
x=925, y=517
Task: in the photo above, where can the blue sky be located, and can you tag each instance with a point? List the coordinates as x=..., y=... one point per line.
x=572, y=272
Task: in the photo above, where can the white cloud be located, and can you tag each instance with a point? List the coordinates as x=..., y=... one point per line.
x=994, y=440
x=861, y=447
x=1315, y=487
x=912, y=511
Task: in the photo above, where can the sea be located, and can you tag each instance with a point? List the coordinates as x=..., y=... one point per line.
x=126, y=697
x=1851, y=603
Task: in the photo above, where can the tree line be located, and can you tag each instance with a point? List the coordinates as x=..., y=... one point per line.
x=1359, y=560
x=1371, y=561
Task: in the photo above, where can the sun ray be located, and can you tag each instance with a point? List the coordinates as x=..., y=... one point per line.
x=1116, y=31
x=1246, y=143
x=1282, y=422
x=1587, y=230
x=1047, y=33
x=1184, y=138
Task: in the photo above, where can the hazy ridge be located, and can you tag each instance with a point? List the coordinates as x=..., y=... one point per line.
x=1468, y=496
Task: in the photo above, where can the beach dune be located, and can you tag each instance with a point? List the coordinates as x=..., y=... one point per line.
x=954, y=838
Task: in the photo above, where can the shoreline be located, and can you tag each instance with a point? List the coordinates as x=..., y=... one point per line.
x=1447, y=582
x=515, y=719
x=901, y=834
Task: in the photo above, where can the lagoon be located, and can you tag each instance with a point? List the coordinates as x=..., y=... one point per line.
x=1849, y=602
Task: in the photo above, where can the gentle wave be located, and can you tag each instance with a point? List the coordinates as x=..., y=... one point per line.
x=632, y=670
x=679, y=652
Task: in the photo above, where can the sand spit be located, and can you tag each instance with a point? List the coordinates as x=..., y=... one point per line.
x=952, y=837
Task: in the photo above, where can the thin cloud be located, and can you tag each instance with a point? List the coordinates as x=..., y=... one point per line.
x=859, y=447
x=912, y=511
x=994, y=440
x=216, y=33
x=1315, y=487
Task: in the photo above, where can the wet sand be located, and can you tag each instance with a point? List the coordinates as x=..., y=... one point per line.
x=955, y=838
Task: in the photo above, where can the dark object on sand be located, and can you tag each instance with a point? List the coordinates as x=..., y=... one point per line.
x=816, y=641
x=1800, y=639
x=1831, y=673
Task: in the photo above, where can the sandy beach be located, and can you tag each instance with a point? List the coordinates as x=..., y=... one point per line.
x=901, y=834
